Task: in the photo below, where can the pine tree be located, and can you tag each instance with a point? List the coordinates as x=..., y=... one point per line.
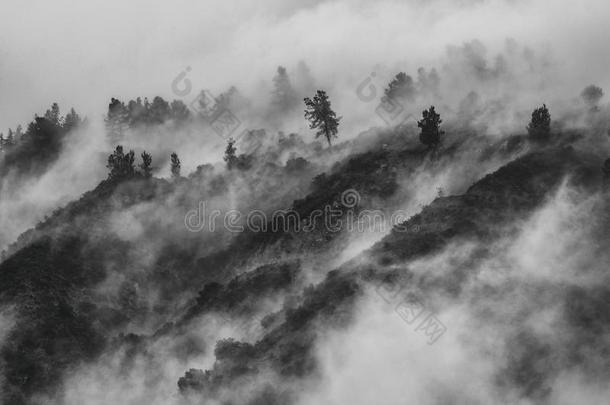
x=18, y=133
x=10, y=139
x=179, y=111
x=159, y=111
x=321, y=116
x=116, y=120
x=146, y=165
x=401, y=86
x=136, y=112
x=53, y=115
x=230, y=157
x=284, y=96
x=430, y=128
x=539, y=128
x=120, y=164
x=175, y=165
x=71, y=121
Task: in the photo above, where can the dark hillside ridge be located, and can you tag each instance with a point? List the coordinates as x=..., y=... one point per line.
x=532, y=178
x=51, y=272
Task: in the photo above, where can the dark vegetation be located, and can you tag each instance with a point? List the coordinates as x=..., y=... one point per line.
x=57, y=326
x=242, y=292
x=539, y=128
x=31, y=152
x=286, y=348
x=496, y=199
x=284, y=96
x=50, y=275
x=234, y=161
x=402, y=86
x=175, y=165
x=430, y=128
x=515, y=189
x=320, y=115
x=136, y=113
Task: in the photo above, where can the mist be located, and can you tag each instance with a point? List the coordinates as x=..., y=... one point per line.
x=515, y=294
x=122, y=290
x=94, y=52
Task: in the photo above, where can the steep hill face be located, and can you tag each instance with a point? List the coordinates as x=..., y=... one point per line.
x=482, y=215
x=511, y=192
x=79, y=282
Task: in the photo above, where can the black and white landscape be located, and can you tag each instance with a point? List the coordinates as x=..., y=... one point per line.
x=304, y=202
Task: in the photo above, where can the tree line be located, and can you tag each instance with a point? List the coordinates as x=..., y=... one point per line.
x=138, y=112
x=318, y=112
x=122, y=166
x=40, y=143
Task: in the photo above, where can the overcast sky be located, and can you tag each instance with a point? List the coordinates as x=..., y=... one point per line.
x=80, y=53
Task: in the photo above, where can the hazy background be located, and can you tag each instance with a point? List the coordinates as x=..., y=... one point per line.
x=82, y=53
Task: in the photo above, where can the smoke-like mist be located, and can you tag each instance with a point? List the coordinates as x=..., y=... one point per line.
x=484, y=65
x=97, y=50
x=507, y=304
x=509, y=56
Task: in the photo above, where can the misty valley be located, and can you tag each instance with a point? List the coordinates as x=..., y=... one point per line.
x=312, y=210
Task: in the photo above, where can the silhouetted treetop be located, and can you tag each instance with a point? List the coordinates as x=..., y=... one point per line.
x=284, y=95
x=321, y=116
x=230, y=157
x=175, y=165
x=120, y=117
x=40, y=144
x=121, y=164
x=430, y=134
x=401, y=86
x=145, y=166
x=539, y=128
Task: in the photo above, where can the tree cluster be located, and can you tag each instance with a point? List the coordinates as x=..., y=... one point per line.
x=121, y=165
x=402, y=86
x=241, y=162
x=284, y=97
x=41, y=142
x=121, y=116
x=539, y=128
